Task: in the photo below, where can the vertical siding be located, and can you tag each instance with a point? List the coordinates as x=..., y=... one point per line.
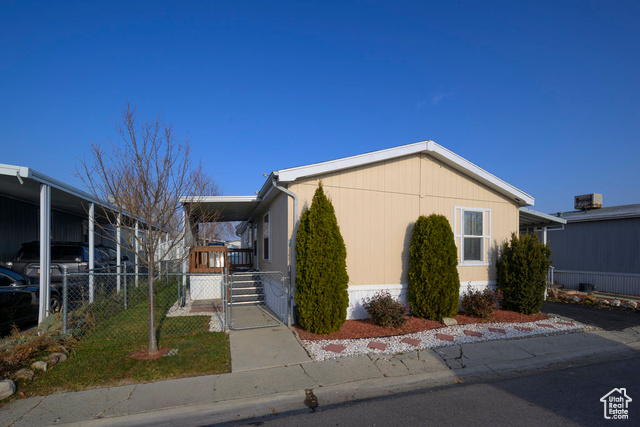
x=616, y=283
x=376, y=206
x=19, y=223
x=606, y=246
x=279, y=233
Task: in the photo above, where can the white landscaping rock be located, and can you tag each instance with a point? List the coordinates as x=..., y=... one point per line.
x=7, y=388
x=428, y=339
x=615, y=303
x=631, y=304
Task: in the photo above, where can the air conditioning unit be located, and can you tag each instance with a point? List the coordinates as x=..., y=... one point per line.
x=588, y=201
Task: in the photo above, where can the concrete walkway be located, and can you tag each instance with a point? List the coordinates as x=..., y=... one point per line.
x=281, y=389
x=262, y=348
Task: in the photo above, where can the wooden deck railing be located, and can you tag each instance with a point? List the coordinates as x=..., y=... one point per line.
x=207, y=259
x=239, y=258
x=213, y=259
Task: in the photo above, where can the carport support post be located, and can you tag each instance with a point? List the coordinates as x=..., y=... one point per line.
x=118, y=252
x=65, y=299
x=92, y=246
x=45, y=251
x=137, y=231
x=185, y=256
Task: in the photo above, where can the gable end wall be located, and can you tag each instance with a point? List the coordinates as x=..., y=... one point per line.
x=377, y=204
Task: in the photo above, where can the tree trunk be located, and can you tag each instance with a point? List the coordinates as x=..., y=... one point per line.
x=153, y=341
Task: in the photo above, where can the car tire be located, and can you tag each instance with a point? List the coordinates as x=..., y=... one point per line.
x=55, y=304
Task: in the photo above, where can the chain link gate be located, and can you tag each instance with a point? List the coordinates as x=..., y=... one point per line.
x=257, y=299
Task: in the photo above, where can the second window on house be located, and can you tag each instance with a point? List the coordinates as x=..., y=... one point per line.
x=472, y=227
x=473, y=235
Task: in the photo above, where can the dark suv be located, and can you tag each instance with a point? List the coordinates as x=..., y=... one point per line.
x=73, y=256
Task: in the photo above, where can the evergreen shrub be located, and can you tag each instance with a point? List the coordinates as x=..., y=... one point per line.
x=434, y=285
x=321, y=268
x=522, y=268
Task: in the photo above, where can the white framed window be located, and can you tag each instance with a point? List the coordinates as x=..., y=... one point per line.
x=473, y=235
x=266, y=237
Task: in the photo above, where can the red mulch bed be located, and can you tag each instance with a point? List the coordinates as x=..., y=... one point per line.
x=367, y=329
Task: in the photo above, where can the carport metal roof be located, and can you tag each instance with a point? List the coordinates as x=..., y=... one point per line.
x=23, y=183
x=225, y=208
x=531, y=219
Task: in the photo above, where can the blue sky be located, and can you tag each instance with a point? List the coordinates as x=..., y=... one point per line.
x=543, y=94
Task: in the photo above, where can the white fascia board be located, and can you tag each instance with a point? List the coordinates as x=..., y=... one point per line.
x=218, y=199
x=430, y=147
x=543, y=216
x=29, y=173
x=291, y=174
x=480, y=174
x=11, y=170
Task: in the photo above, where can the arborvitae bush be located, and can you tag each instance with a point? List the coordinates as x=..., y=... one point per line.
x=321, y=269
x=434, y=285
x=522, y=267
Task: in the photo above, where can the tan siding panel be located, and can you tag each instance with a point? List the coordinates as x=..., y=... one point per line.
x=376, y=206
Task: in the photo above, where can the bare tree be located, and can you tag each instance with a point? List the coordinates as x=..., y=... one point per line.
x=139, y=180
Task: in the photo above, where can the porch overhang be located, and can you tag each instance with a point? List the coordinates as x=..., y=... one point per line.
x=534, y=219
x=224, y=208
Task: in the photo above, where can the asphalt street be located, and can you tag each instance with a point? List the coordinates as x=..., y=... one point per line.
x=564, y=397
x=609, y=319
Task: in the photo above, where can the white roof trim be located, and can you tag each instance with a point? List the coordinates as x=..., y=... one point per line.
x=25, y=172
x=28, y=173
x=543, y=216
x=291, y=174
x=430, y=147
x=219, y=199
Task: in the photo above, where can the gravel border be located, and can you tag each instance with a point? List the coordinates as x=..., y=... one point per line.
x=428, y=339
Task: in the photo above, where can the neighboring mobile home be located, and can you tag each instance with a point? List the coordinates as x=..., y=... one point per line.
x=377, y=198
x=598, y=246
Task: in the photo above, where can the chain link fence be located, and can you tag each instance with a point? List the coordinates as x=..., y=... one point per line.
x=103, y=305
x=115, y=307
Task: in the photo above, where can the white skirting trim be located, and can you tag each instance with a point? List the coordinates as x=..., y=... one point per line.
x=359, y=292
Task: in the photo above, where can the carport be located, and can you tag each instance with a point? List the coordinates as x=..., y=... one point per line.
x=537, y=222
x=27, y=200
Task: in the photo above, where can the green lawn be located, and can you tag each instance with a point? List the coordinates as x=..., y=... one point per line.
x=101, y=358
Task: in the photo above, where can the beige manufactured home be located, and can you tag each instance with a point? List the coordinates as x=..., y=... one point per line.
x=377, y=198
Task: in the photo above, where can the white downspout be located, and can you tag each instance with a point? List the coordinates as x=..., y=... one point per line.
x=291, y=244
